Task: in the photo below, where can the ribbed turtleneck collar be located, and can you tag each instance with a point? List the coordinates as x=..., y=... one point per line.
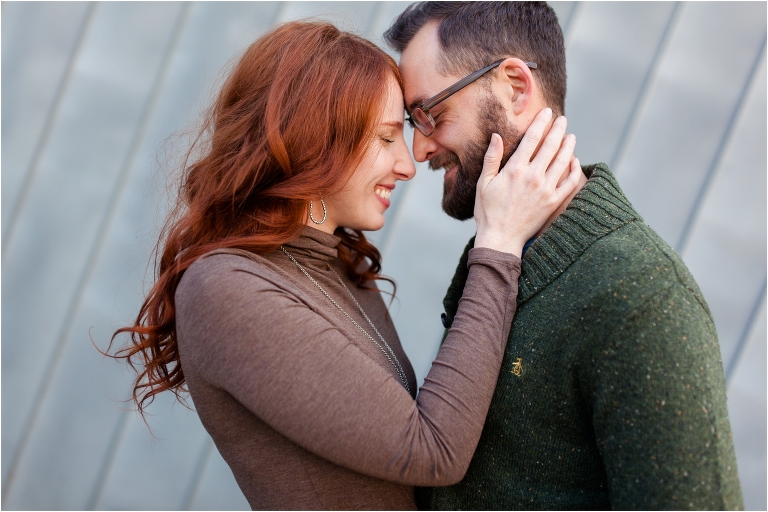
x=315, y=245
x=599, y=208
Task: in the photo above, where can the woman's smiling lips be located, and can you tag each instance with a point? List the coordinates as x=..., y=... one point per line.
x=383, y=192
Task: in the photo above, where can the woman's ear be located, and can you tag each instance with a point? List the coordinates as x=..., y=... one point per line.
x=517, y=81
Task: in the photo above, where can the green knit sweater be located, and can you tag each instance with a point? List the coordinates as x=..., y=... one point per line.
x=612, y=391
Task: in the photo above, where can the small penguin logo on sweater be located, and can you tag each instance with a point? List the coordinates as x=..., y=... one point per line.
x=517, y=367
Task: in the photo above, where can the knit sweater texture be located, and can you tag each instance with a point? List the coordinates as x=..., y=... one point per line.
x=612, y=391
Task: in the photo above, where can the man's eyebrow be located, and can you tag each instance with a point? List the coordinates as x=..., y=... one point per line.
x=415, y=103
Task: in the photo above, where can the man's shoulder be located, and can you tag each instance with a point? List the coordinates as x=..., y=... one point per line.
x=638, y=253
x=614, y=279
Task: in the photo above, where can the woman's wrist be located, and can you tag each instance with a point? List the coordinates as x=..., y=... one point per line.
x=500, y=243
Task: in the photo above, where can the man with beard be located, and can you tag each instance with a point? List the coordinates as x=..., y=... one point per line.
x=612, y=390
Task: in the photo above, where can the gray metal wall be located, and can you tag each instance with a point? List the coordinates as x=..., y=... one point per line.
x=671, y=95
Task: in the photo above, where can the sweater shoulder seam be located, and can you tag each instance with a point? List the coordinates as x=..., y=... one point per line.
x=675, y=265
x=644, y=303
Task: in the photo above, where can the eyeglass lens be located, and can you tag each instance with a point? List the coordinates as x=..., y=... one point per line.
x=421, y=121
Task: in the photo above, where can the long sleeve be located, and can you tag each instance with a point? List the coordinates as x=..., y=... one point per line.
x=662, y=429
x=248, y=334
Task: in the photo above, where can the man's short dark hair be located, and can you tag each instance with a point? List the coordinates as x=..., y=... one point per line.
x=475, y=34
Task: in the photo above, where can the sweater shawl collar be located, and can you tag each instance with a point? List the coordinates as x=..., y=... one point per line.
x=599, y=208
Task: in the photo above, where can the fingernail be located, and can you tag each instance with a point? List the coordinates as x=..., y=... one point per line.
x=495, y=138
x=548, y=112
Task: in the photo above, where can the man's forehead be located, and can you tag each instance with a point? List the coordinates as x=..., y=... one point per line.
x=419, y=67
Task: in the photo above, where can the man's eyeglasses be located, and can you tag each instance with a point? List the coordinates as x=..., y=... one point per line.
x=420, y=117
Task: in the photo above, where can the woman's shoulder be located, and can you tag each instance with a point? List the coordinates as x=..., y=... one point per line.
x=227, y=273
x=227, y=260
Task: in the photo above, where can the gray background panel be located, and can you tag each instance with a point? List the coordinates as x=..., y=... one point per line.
x=724, y=252
x=96, y=101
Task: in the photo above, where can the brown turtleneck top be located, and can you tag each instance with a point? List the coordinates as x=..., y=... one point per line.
x=305, y=409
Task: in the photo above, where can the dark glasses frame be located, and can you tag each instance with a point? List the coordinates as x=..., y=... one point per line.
x=420, y=117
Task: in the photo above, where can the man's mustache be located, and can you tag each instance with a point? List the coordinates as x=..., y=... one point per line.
x=444, y=161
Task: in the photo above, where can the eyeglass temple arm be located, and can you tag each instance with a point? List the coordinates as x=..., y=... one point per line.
x=437, y=98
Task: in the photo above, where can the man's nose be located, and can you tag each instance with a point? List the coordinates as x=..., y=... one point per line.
x=424, y=148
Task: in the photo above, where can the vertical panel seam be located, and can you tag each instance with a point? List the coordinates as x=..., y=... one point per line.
x=74, y=306
x=29, y=178
x=748, y=326
x=194, y=481
x=178, y=30
x=725, y=140
x=645, y=87
x=567, y=27
x=101, y=477
x=42, y=140
x=373, y=18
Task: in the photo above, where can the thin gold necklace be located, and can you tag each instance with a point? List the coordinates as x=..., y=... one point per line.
x=388, y=353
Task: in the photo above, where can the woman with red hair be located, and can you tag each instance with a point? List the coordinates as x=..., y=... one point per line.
x=265, y=309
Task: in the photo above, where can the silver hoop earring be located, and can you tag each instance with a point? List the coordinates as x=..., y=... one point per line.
x=325, y=212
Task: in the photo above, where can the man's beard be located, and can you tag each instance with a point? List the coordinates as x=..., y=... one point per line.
x=459, y=194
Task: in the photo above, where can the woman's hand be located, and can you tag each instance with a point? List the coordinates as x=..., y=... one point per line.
x=512, y=204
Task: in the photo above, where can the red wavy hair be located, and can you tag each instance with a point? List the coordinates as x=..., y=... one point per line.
x=291, y=122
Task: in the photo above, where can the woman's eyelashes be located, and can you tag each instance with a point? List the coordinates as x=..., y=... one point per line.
x=386, y=139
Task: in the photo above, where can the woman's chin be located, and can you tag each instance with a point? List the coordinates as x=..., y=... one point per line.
x=373, y=225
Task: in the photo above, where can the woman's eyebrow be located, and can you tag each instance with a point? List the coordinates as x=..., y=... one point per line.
x=396, y=124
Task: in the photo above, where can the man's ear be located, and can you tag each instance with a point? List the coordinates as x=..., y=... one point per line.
x=516, y=79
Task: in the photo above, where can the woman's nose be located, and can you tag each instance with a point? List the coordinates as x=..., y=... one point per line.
x=404, y=166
